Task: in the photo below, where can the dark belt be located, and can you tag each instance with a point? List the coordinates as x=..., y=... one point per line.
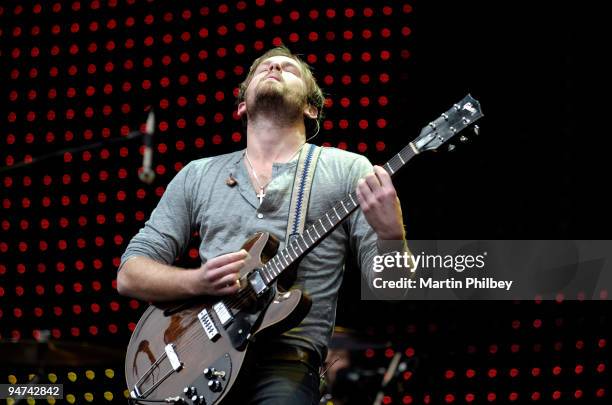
x=290, y=353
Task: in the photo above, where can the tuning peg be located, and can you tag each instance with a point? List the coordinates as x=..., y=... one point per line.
x=476, y=130
x=451, y=147
x=463, y=138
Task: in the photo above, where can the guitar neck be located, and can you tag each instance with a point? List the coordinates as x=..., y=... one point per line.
x=316, y=232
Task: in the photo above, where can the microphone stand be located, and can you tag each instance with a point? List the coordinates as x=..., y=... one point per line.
x=97, y=145
x=389, y=375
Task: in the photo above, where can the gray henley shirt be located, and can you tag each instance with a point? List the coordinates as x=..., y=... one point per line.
x=198, y=199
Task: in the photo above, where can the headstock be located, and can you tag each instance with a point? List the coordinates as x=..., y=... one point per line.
x=462, y=115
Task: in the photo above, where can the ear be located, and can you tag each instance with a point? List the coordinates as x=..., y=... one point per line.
x=311, y=111
x=241, y=108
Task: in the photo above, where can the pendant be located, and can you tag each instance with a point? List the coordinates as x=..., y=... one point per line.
x=261, y=195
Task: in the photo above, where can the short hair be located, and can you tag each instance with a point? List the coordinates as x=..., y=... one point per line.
x=314, y=94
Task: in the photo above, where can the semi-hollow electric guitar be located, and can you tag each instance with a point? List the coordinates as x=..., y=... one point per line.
x=192, y=352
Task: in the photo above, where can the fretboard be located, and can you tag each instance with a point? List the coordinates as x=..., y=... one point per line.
x=317, y=231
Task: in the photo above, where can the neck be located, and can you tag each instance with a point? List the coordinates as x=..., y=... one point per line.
x=269, y=142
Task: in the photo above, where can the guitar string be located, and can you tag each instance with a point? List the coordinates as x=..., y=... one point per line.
x=242, y=296
x=245, y=295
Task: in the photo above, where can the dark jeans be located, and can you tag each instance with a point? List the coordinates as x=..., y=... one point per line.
x=279, y=382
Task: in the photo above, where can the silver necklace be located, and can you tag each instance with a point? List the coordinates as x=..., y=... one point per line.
x=261, y=194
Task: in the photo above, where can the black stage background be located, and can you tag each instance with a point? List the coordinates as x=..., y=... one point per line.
x=534, y=172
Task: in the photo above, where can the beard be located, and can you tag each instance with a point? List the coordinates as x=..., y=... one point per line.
x=275, y=99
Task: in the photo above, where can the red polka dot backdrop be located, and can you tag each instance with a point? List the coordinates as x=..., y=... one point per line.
x=78, y=79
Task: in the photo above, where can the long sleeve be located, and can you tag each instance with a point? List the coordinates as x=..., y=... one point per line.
x=362, y=238
x=166, y=234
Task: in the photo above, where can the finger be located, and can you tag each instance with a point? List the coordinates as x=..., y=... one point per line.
x=371, y=190
x=228, y=290
x=222, y=260
x=363, y=194
x=373, y=183
x=216, y=274
x=226, y=281
x=383, y=177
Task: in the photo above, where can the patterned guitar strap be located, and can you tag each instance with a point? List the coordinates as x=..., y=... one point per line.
x=298, y=207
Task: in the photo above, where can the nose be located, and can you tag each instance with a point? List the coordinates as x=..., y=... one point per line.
x=275, y=66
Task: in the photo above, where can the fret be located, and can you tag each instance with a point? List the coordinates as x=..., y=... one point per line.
x=416, y=151
x=294, y=252
x=344, y=206
x=269, y=271
x=266, y=277
x=298, y=244
x=288, y=254
x=354, y=203
x=316, y=231
x=323, y=226
x=390, y=168
x=330, y=221
x=270, y=265
x=278, y=270
x=336, y=212
x=308, y=233
x=400, y=158
x=283, y=258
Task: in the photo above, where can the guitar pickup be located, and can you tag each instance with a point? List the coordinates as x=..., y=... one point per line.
x=224, y=314
x=208, y=325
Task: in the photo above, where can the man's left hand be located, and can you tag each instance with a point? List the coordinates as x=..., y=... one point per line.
x=381, y=207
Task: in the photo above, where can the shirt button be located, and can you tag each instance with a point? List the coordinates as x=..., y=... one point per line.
x=259, y=215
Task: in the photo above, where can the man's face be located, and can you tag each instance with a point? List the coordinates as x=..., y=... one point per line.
x=277, y=86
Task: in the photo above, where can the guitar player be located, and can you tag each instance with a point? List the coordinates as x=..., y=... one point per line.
x=229, y=197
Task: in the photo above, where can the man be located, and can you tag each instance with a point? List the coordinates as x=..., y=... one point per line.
x=280, y=101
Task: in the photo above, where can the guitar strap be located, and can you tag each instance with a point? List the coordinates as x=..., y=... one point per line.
x=300, y=196
x=298, y=207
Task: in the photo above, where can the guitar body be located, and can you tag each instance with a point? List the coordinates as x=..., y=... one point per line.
x=173, y=344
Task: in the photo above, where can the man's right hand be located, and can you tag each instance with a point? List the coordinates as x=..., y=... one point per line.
x=219, y=276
